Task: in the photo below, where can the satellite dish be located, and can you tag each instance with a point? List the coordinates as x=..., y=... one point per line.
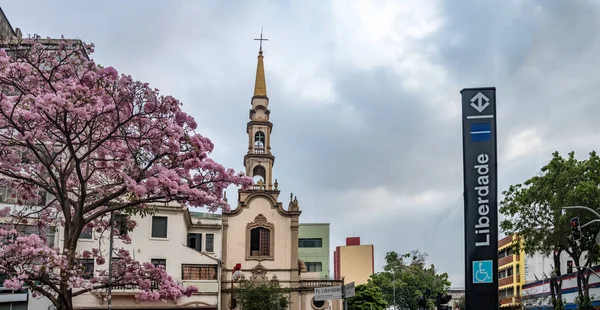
x=598, y=238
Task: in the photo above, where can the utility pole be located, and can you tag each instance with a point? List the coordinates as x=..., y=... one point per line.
x=394, y=274
x=110, y=251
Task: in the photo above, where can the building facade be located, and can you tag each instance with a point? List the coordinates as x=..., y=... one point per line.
x=313, y=247
x=260, y=234
x=354, y=262
x=457, y=293
x=510, y=272
x=187, y=244
x=536, y=290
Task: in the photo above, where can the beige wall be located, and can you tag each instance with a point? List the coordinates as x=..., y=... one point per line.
x=236, y=238
x=356, y=263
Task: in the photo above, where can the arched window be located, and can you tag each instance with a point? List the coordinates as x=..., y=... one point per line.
x=260, y=239
x=260, y=242
x=259, y=173
x=259, y=139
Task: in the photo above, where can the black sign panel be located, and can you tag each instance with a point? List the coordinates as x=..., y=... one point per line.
x=480, y=193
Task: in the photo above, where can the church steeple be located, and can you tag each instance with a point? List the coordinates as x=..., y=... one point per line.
x=260, y=85
x=259, y=160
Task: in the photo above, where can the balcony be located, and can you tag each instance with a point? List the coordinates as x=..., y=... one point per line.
x=510, y=301
x=259, y=150
x=504, y=241
x=506, y=281
x=128, y=287
x=506, y=301
x=506, y=260
x=310, y=285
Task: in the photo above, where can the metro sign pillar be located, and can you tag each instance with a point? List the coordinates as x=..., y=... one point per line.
x=480, y=197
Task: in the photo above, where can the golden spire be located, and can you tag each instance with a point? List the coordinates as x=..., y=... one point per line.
x=260, y=85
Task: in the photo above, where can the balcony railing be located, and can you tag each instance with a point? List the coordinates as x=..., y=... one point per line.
x=128, y=287
x=510, y=300
x=259, y=150
x=506, y=300
x=505, y=260
x=505, y=281
x=312, y=284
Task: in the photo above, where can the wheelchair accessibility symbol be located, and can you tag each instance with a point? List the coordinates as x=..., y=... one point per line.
x=483, y=271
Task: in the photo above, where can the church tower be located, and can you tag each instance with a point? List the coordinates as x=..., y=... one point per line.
x=260, y=236
x=259, y=160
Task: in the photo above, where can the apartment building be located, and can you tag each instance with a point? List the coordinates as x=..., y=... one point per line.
x=354, y=262
x=187, y=244
x=313, y=247
x=510, y=274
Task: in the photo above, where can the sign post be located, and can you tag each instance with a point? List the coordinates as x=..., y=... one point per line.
x=348, y=292
x=328, y=293
x=336, y=292
x=480, y=197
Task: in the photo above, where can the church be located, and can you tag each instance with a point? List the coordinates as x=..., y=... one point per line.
x=260, y=235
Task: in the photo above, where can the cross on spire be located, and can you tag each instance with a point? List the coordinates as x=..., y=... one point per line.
x=261, y=38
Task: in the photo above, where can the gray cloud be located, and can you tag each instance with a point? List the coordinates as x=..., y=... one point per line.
x=364, y=98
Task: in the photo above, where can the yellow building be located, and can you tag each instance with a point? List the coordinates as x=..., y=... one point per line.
x=511, y=275
x=354, y=262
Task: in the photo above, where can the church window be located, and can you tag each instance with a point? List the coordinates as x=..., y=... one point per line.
x=260, y=242
x=310, y=242
x=314, y=266
x=259, y=140
x=260, y=239
x=199, y=272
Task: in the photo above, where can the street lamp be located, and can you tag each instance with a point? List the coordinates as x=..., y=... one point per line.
x=236, y=275
x=394, y=284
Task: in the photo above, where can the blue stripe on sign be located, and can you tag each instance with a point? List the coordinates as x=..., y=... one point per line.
x=481, y=132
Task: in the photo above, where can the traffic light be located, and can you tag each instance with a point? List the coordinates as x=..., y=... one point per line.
x=575, y=229
x=569, y=266
x=443, y=299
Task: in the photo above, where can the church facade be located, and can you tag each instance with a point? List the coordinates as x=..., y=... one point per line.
x=260, y=234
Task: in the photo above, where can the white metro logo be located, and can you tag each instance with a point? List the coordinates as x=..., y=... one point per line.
x=482, y=102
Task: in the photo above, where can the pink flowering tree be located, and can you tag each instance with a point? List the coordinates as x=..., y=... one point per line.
x=97, y=143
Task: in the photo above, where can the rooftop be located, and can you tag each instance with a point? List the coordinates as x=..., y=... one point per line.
x=205, y=215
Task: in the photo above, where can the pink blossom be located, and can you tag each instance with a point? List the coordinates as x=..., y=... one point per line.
x=13, y=283
x=112, y=144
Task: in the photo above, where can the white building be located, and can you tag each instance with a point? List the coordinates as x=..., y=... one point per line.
x=536, y=290
x=187, y=243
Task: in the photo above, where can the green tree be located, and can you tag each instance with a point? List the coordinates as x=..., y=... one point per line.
x=412, y=279
x=534, y=212
x=262, y=295
x=368, y=297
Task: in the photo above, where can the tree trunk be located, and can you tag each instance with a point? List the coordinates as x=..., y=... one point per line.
x=586, y=300
x=556, y=284
x=65, y=296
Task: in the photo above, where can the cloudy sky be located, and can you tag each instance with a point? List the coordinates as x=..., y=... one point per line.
x=364, y=95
